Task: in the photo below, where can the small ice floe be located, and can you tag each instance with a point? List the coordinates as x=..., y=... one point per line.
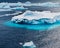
x=21, y=43
x=19, y=8
x=35, y=17
x=29, y=45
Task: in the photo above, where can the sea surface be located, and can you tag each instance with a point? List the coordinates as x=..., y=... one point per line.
x=11, y=36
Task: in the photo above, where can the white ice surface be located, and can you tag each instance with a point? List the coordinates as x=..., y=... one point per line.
x=29, y=45
x=35, y=15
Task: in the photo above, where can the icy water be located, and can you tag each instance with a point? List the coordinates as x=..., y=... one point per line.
x=12, y=35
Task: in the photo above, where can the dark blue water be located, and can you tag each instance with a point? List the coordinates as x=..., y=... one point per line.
x=12, y=34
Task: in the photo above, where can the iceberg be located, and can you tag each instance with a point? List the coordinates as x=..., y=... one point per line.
x=35, y=17
x=29, y=45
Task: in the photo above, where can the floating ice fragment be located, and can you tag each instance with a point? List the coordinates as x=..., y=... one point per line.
x=29, y=45
x=21, y=43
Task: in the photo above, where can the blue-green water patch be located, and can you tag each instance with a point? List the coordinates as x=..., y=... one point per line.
x=33, y=27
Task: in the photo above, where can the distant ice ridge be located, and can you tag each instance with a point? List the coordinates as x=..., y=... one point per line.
x=12, y=6
x=49, y=4
x=45, y=4
x=35, y=17
x=28, y=3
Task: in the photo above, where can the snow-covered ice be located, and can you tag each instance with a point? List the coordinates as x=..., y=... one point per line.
x=35, y=17
x=29, y=45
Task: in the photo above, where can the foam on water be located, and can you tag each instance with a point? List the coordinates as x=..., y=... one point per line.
x=33, y=27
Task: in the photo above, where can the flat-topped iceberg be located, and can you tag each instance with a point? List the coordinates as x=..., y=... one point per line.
x=35, y=17
x=29, y=45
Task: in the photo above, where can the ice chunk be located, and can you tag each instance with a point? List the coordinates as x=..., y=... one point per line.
x=29, y=45
x=28, y=3
x=21, y=43
x=35, y=17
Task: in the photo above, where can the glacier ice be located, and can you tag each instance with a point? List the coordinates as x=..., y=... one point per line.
x=35, y=17
x=29, y=45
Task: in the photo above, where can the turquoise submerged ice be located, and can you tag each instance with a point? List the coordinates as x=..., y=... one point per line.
x=33, y=27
